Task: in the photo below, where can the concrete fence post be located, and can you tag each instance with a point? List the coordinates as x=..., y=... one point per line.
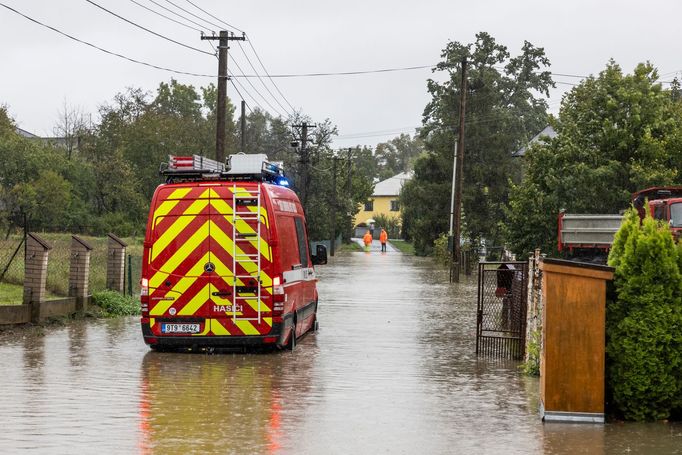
x=115, y=263
x=79, y=272
x=35, y=274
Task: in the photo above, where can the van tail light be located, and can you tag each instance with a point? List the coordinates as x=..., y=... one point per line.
x=144, y=295
x=278, y=295
x=144, y=287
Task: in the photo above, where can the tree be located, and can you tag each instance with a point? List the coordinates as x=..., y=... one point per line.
x=397, y=155
x=616, y=134
x=71, y=124
x=504, y=111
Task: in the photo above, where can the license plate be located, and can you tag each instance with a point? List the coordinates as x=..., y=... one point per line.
x=180, y=328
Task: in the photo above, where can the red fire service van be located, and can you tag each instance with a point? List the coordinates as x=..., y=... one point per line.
x=226, y=259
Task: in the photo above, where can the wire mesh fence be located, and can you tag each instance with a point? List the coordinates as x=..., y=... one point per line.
x=12, y=260
x=11, y=270
x=57, y=283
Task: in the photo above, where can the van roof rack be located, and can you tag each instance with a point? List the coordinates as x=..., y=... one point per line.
x=244, y=167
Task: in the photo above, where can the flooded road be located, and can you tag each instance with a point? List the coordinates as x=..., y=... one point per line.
x=392, y=370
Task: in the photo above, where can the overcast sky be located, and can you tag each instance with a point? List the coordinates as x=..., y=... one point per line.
x=41, y=70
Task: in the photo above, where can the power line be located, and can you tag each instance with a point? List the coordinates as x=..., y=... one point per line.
x=249, y=61
x=268, y=74
x=187, y=73
x=378, y=132
x=341, y=73
x=170, y=18
x=256, y=90
x=146, y=29
x=211, y=15
x=194, y=15
x=232, y=81
x=240, y=95
x=261, y=79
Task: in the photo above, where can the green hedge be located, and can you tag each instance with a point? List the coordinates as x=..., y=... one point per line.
x=644, y=322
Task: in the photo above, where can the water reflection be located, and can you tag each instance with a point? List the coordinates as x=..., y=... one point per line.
x=227, y=403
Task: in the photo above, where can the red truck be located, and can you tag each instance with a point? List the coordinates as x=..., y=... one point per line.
x=590, y=236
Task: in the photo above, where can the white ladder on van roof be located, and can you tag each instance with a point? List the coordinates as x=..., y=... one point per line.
x=243, y=195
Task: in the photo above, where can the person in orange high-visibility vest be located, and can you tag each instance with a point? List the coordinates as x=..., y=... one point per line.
x=367, y=239
x=383, y=238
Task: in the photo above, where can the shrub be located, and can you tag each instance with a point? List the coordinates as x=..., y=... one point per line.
x=115, y=304
x=390, y=223
x=644, y=322
x=440, y=250
x=531, y=366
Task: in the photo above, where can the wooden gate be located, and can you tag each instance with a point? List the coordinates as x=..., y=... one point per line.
x=501, y=312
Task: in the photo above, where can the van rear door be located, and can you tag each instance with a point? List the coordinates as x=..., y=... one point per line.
x=179, y=287
x=241, y=285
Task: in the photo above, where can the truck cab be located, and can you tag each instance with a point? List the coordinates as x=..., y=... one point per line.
x=664, y=204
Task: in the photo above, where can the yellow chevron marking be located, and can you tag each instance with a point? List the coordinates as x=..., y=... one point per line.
x=251, y=267
x=268, y=321
x=247, y=327
x=187, y=248
x=171, y=201
x=221, y=269
x=152, y=321
x=253, y=303
x=196, y=302
x=161, y=307
x=180, y=193
x=224, y=209
x=186, y=281
x=217, y=328
x=157, y=279
x=178, y=225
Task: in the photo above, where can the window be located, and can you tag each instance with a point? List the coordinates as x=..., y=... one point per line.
x=395, y=205
x=676, y=215
x=302, y=244
x=369, y=206
x=659, y=212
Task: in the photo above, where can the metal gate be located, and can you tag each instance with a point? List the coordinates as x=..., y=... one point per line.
x=501, y=315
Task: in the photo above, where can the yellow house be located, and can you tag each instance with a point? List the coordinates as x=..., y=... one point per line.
x=384, y=200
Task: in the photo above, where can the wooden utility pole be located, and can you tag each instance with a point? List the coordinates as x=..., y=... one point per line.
x=221, y=120
x=333, y=207
x=304, y=168
x=459, y=186
x=243, y=126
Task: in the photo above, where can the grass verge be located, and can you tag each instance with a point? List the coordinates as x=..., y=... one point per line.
x=402, y=245
x=349, y=247
x=114, y=304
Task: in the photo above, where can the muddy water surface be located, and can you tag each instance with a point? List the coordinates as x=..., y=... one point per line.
x=392, y=370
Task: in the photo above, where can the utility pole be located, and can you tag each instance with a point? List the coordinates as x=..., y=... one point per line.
x=304, y=169
x=333, y=207
x=243, y=126
x=221, y=121
x=459, y=160
x=349, y=191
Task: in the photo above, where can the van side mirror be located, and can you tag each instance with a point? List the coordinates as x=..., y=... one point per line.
x=320, y=257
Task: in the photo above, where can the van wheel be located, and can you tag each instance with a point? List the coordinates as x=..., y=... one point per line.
x=292, y=340
x=316, y=325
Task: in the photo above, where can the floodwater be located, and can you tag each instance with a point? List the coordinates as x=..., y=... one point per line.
x=392, y=370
